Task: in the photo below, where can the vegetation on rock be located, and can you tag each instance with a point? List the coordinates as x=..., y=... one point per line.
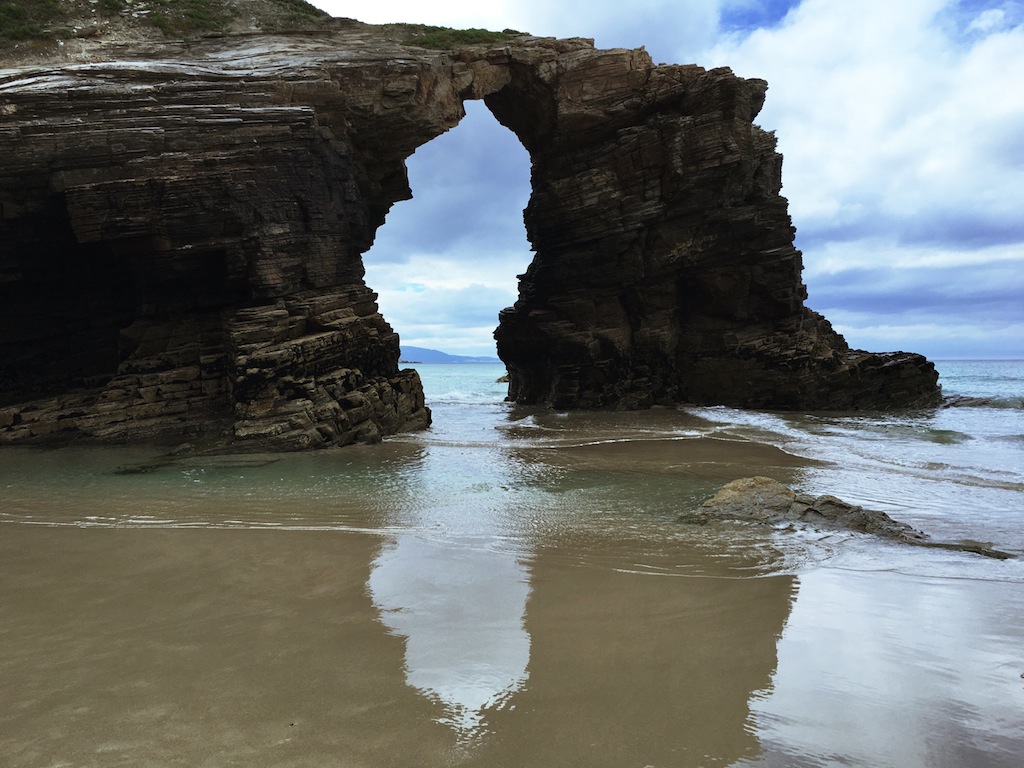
x=26, y=19
x=45, y=21
x=48, y=20
x=187, y=17
x=445, y=38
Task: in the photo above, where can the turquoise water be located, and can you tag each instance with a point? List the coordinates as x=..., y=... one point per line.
x=513, y=587
x=957, y=471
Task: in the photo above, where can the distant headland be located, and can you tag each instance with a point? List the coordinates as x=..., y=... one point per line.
x=424, y=355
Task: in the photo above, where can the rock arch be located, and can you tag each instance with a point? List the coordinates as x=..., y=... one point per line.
x=182, y=230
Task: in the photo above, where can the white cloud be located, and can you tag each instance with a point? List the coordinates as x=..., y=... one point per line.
x=838, y=256
x=459, y=13
x=454, y=319
x=936, y=337
x=986, y=21
x=445, y=263
x=903, y=139
x=446, y=302
x=881, y=112
x=454, y=271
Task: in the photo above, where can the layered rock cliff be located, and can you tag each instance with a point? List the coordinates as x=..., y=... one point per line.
x=182, y=228
x=665, y=269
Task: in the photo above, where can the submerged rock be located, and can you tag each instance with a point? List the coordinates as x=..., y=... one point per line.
x=967, y=401
x=763, y=500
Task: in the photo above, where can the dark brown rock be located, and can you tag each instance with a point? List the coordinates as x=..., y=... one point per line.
x=181, y=230
x=180, y=252
x=665, y=268
x=767, y=501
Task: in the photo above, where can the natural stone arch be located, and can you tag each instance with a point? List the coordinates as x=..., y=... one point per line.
x=239, y=181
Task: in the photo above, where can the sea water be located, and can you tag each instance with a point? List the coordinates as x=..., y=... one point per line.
x=513, y=587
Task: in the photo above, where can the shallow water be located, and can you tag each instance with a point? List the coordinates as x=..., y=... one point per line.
x=513, y=588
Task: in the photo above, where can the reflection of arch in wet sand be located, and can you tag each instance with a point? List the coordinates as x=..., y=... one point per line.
x=460, y=607
x=639, y=669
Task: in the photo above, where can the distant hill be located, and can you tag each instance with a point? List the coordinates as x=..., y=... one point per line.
x=423, y=355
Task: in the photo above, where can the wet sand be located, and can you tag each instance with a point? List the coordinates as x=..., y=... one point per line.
x=215, y=648
x=445, y=601
x=687, y=455
x=267, y=648
x=199, y=648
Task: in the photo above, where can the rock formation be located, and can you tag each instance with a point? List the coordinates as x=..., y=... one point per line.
x=182, y=227
x=665, y=269
x=767, y=501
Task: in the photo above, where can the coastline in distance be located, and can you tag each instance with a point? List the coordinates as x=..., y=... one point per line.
x=424, y=355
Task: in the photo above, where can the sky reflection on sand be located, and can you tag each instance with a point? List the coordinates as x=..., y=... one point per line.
x=513, y=588
x=461, y=607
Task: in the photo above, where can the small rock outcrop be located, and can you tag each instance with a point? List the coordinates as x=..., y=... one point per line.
x=764, y=500
x=182, y=226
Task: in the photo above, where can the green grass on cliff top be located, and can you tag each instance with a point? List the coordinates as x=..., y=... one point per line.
x=445, y=39
x=26, y=19
x=48, y=20
x=40, y=23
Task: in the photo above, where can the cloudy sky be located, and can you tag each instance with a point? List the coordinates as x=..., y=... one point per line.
x=902, y=128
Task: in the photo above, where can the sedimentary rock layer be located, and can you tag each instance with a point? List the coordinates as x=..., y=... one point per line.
x=766, y=501
x=182, y=229
x=665, y=269
x=180, y=251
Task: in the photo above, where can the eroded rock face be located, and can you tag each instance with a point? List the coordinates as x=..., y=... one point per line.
x=180, y=246
x=182, y=229
x=766, y=501
x=665, y=268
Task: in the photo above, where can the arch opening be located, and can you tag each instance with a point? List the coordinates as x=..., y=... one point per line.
x=445, y=262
